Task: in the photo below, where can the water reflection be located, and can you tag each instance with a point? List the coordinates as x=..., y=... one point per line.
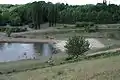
x=38, y=48
x=18, y=51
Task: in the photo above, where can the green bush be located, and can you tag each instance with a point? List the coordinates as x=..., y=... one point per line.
x=65, y=26
x=76, y=46
x=91, y=24
x=87, y=28
x=81, y=24
x=91, y=29
x=8, y=31
x=19, y=29
x=84, y=24
x=96, y=28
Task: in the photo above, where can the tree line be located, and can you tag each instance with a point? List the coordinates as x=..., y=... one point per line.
x=40, y=12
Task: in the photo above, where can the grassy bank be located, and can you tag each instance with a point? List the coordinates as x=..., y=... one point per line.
x=99, y=66
x=26, y=65
x=100, y=69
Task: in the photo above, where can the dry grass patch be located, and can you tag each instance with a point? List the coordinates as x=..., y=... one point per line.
x=100, y=69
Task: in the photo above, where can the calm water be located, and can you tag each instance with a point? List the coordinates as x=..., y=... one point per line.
x=19, y=51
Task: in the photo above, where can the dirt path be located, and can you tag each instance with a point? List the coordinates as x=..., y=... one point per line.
x=100, y=52
x=95, y=43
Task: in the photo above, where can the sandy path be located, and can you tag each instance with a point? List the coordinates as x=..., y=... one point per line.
x=94, y=43
x=111, y=50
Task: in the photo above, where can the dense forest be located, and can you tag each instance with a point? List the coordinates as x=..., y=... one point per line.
x=40, y=12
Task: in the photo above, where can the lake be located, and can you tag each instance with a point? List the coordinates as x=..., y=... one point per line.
x=20, y=51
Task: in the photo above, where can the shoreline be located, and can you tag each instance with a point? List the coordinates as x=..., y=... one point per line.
x=25, y=40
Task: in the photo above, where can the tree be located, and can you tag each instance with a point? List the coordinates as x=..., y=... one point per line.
x=40, y=12
x=15, y=19
x=6, y=16
x=52, y=14
x=0, y=17
x=37, y=14
x=76, y=46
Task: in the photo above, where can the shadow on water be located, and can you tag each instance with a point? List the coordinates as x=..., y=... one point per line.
x=38, y=48
x=1, y=46
x=20, y=51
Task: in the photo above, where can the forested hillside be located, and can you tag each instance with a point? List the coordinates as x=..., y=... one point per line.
x=39, y=12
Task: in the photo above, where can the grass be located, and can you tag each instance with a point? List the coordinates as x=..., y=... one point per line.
x=31, y=65
x=109, y=42
x=64, y=33
x=24, y=65
x=90, y=68
x=98, y=69
x=70, y=30
x=19, y=66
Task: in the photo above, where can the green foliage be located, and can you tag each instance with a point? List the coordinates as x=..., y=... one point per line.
x=52, y=14
x=76, y=46
x=2, y=29
x=84, y=24
x=91, y=24
x=12, y=29
x=91, y=28
x=96, y=28
x=87, y=28
x=91, y=13
x=81, y=24
x=65, y=26
x=15, y=21
x=19, y=29
x=41, y=12
x=8, y=32
x=37, y=14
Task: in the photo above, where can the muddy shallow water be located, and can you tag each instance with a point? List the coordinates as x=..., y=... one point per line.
x=20, y=51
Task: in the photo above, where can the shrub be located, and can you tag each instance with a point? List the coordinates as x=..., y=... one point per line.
x=76, y=46
x=8, y=31
x=91, y=29
x=31, y=25
x=91, y=24
x=19, y=29
x=84, y=24
x=65, y=26
x=87, y=28
x=96, y=28
x=81, y=24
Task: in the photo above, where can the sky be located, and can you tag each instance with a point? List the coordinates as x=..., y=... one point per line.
x=71, y=2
